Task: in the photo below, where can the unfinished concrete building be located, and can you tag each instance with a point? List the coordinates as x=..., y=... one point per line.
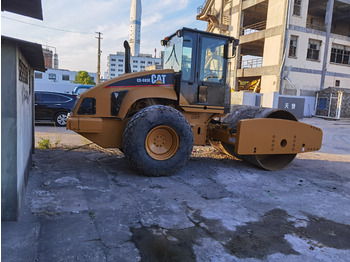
x=292, y=47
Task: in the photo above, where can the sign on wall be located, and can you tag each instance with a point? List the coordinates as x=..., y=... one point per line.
x=294, y=105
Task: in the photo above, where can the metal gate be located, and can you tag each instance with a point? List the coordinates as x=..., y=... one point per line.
x=329, y=105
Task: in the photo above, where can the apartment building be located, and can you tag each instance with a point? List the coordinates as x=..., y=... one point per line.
x=293, y=47
x=116, y=63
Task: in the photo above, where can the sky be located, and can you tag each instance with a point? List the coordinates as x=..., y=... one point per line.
x=71, y=26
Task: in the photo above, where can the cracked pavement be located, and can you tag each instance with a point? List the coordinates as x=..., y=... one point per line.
x=89, y=205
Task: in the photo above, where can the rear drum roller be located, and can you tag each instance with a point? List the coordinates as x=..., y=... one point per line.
x=158, y=140
x=268, y=162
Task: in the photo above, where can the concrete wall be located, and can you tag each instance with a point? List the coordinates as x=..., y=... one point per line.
x=245, y=98
x=25, y=92
x=16, y=130
x=276, y=13
x=9, y=203
x=273, y=47
x=271, y=100
x=305, y=74
x=332, y=104
x=299, y=20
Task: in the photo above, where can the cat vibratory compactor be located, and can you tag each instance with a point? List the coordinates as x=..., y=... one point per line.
x=155, y=117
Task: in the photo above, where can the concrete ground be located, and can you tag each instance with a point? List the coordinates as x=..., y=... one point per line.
x=87, y=204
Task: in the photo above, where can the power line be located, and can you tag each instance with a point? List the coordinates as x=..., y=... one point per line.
x=47, y=27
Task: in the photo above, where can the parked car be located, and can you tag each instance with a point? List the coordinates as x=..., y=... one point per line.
x=53, y=106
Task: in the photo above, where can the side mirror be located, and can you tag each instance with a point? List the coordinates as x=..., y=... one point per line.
x=235, y=43
x=179, y=33
x=226, y=51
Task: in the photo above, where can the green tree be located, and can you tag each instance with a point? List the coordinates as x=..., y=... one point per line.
x=83, y=78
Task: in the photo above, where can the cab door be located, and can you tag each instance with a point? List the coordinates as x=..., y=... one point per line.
x=188, y=83
x=211, y=72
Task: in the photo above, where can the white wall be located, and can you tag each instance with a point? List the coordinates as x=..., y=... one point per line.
x=311, y=81
x=58, y=85
x=16, y=129
x=24, y=125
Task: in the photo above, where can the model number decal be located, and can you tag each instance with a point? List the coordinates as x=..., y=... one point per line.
x=155, y=79
x=143, y=80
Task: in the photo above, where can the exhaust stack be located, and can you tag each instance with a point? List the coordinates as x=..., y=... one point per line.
x=127, y=57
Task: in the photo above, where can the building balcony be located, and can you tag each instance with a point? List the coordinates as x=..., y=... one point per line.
x=251, y=63
x=253, y=28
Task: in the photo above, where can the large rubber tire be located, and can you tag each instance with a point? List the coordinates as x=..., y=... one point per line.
x=61, y=119
x=157, y=141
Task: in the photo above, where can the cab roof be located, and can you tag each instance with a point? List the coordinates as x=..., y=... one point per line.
x=229, y=38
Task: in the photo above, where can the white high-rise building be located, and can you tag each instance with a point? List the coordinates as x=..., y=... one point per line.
x=116, y=63
x=135, y=27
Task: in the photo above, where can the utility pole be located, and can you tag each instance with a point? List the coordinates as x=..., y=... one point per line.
x=98, y=56
x=328, y=23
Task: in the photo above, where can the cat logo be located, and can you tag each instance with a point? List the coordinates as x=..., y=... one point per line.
x=158, y=79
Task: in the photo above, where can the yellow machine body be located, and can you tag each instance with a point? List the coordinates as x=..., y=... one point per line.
x=193, y=92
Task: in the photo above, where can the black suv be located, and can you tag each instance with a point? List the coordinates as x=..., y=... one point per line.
x=53, y=106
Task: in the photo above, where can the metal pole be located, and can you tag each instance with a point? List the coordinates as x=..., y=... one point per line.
x=330, y=105
x=339, y=104
x=328, y=23
x=222, y=15
x=285, y=47
x=98, y=56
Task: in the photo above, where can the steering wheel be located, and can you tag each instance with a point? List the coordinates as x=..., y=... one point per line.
x=211, y=77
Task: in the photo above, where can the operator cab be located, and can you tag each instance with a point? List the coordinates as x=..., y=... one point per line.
x=199, y=60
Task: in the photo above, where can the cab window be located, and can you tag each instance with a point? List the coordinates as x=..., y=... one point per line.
x=173, y=54
x=212, y=60
x=187, y=58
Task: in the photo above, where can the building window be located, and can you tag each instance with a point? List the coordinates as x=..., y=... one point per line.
x=112, y=74
x=135, y=61
x=23, y=72
x=135, y=66
x=120, y=65
x=65, y=77
x=340, y=54
x=134, y=71
x=38, y=75
x=113, y=69
x=120, y=70
x=297, y=7
x=157, y=63
x=149, y=62
x=112, y=64
x=293, y=46
x=337, y=83
x=142, y=67
x=92, y=78
x=313, y=50
x=120, y=60
x=52, y=76
x=113, y=60
x=142, y=62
